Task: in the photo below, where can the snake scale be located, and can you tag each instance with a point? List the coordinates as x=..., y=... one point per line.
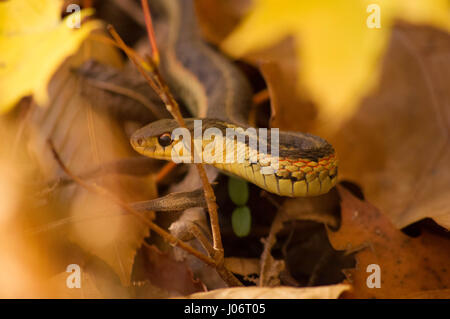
x=214, y=90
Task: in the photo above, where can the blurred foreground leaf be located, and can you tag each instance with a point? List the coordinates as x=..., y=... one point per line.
x=396, y=147
x=338, y=52
x=34, y=41
x=86, y=137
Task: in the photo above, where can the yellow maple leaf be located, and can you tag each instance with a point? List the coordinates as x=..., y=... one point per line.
x=337, y=50
x=34, y=41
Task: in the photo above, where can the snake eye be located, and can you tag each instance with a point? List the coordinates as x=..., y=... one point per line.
x=165, y=139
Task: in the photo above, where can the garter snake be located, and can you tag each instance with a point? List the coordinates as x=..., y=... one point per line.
x=214, y=90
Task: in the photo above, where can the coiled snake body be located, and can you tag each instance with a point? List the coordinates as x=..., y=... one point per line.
x=215, y=91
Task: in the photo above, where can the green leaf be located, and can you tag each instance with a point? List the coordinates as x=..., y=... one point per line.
x=238, y=190
x=241, y=220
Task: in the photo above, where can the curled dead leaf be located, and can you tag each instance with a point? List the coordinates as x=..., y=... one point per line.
x=324, y=292
x=407, y=265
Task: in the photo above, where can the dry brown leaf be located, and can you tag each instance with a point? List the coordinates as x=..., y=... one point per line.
x=290, y=108
x=162, y=271
x=324, y=292
x=397, y=146
x=408, y=265
x=218, y=18
x=96, y=281
x=88, y=288
x=86, y=139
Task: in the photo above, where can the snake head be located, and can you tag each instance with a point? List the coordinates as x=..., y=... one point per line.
x=155, y=139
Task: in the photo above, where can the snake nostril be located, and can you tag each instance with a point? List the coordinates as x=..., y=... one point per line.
x=140, y=141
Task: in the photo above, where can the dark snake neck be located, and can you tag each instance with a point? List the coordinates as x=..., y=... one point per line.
x=208, y=84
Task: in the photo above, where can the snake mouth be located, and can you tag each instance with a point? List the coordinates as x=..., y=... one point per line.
x=150, y=148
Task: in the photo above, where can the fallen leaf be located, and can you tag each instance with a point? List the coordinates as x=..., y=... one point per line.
x=324, y=292
x=88, y=289
x=277, y=66
x=97, y=281
x=33, y=44
x=396, y=147
x=337, y=50
x=164, y=272
x=218, y=18
x=407, y=265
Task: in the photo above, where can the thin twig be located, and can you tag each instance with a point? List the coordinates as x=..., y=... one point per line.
x=137, y=61
x=200, y=236
x=165, y=171
x=150, y=31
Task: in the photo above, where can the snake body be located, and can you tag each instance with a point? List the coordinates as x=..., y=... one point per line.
x=214, y=90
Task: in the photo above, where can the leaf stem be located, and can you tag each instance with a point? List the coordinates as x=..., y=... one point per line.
x=150, y=31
